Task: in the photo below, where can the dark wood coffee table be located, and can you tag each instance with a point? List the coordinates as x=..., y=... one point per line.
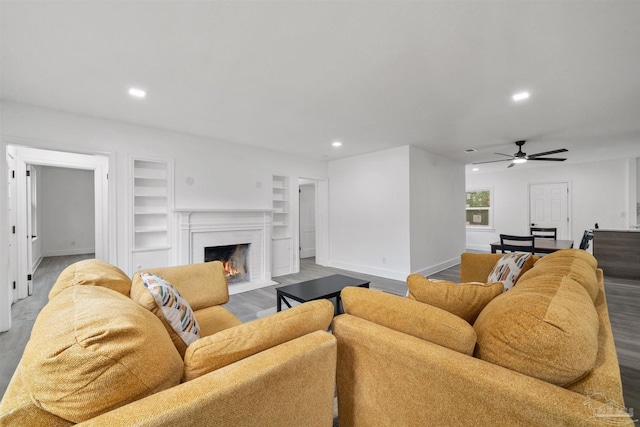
x=325, y=287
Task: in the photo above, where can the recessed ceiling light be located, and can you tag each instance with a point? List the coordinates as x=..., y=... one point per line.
x=521, y=96
x=475, y=169
x=336, y=144
x=138, y=93
x=470, y=150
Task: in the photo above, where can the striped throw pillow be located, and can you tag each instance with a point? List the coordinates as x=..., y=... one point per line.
x=175, y=308
x=508, y=268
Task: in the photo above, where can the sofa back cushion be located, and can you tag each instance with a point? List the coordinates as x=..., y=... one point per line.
x=93, y=350
x=574, y=263
x=92, y=272
x=465, y=300
x=411, y=317
x=545, y=327
x=476, y=267
x=203, y=285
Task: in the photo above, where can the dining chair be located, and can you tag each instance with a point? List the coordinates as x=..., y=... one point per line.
x=517, y=243
x=544, y=232
x=586, y=238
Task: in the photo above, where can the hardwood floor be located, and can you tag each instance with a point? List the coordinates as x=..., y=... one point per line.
x=623, y=298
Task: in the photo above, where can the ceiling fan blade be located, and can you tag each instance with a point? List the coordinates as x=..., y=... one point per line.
x=511, y=165
x=501, y=154
x=492, y=161
x=553, y=159
x=546, y=153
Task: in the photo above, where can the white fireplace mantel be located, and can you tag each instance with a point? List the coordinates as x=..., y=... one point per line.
x=199, y=228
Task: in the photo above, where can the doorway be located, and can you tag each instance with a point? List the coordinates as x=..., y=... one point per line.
x=23, y=161
x=313, y=221
x=307, y=199
x=549, y=207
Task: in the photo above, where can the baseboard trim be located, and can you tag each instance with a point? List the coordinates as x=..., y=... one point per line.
x=373, y=271
x=36, y=264
x=439, y=267
x=393, y=274
x=481, y=248
x=65, y=252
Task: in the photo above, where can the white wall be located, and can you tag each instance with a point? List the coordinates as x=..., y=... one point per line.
x=437, y=212
x=369, y=213
x=598, y=194
x=67, y=211
x=208, y=173
x=395, y=212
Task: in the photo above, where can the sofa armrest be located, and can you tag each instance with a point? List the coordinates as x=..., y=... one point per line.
x=288, y=385
x=389, y=378
x=231, y=345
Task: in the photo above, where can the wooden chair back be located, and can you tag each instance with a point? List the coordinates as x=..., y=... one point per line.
x=544, y=232
x=511, y=243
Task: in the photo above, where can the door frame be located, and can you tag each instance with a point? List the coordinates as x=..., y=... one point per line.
x=25, y=156
x=322, y=221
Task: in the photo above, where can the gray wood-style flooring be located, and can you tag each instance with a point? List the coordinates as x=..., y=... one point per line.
x=623, y=298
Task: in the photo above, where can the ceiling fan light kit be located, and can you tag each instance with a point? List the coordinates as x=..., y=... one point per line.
x=522, y=157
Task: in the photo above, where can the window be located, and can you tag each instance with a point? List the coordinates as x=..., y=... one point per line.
x=479, y=213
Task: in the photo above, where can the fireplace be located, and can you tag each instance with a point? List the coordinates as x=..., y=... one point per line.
x=234, y=258
x=203, y=228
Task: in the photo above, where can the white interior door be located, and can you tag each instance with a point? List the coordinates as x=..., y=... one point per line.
x=548, y=207
x=307, y=220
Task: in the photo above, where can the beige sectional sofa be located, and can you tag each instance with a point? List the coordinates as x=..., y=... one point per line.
x=540, y=354
x=101, y=353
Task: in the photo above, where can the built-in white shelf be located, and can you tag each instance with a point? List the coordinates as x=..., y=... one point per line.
x=152, y=205
x=281, y=240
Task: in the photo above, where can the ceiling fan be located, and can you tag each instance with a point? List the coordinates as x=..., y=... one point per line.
x=521, y=157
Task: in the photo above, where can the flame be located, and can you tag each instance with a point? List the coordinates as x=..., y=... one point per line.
x=229, y=270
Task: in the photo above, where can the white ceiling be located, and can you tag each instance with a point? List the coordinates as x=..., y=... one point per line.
x=295, y=75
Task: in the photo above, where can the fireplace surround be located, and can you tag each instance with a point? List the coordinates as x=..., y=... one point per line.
x=200, y=228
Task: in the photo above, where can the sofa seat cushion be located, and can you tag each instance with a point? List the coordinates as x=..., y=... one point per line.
x=411, y=317
x=231, y=345
x=215, y=319
x=93, y=350
x=465, y=300
x=574, y=263
x=92, y=272
x=545, y=327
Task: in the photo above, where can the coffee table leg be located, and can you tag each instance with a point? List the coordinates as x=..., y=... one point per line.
x=279, y=303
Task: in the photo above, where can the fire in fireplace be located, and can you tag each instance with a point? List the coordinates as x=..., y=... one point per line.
x=234, y=258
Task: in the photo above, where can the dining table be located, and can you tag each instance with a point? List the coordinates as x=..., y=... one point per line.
x=543, y=246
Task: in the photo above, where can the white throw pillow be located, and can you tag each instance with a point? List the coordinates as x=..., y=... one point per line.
x=175, y=308
x=508, y=268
